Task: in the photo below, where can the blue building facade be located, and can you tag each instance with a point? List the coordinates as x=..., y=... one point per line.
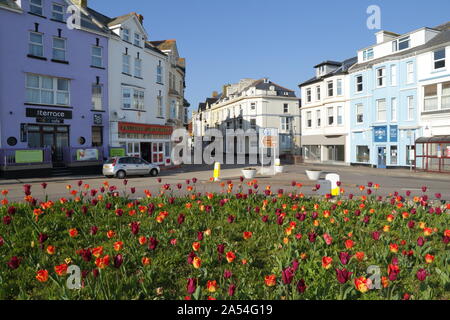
x=384, y=113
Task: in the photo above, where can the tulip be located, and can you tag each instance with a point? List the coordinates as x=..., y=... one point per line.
x=191, y=285
x=118, y=260
x=135, y=228
x=44, y=185
x=231, y=290
x=153, y=243
x=271, y=280
x=287, y=275
x=344, y=257
x=422, y=274
x=362, y=284
x=200, y=236
x=230, y=257
x=421, y=241
x=301, y=286
x=61, y=270
x=2, y=241
x=11, y=211
x=231, y=219
x=14, y=263
x=94, y=230
x=295, y=265
x=7, y=220
x=343, y=275
x=312, y=237
x=265, y=219
x=42, y=275
x=181, y=219
x=227, y=274
x=326, y=262
x=197, y=262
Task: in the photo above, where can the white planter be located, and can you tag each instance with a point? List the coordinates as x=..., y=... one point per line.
x=279, y=169
x=313, y=175
x=249, y=174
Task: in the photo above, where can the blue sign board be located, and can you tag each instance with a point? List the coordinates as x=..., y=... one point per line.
x=380, y=134
x=393, y=134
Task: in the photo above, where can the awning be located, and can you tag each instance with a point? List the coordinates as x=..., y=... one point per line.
x=436, y=139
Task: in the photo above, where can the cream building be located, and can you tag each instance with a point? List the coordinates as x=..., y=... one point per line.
x=253, y=104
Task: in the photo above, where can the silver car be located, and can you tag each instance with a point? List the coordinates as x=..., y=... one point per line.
x=121, y=167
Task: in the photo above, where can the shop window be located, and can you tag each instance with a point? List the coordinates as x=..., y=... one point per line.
x=97, y=136
x=363, y=154
x=394, y=155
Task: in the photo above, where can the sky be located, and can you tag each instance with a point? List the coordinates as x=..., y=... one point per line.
x=224, y=41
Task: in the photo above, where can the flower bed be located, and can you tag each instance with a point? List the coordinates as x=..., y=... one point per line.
x=243, y=243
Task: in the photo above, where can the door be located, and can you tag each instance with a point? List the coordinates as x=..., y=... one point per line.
x=157, y=153
x=146, y=151
x=382, y=157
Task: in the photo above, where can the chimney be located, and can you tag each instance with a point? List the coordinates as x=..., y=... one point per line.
x=81, y=3
x=215, y=94
x=383, y=36
x=141, y=18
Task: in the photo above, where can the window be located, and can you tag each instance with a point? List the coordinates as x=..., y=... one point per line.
x=394, y=109
x=431, y=98
x=173, y=110
x=138, y=99
x=97, y=56
x=362, y=154
x=339, y=87
x=126, y=35
x=47, y=90
x=340, y=115
x=401, y=44
x=159, y=73
x=381, y=77
x=138, y=68
x=359, y=113
x=97, y=97
x=393, y=75
x=308, y=95
x=411, y=108
x=137, y=39
x=97, y=136
x=309, y=119
x=286, y=123
x=410, y=72
x=381, y=110
x=286, y=108
x=368, y=54
x=253, y=106
x=410, y=155
x=160, y=110
x=36, y=47
x=330, y=113
x=445, y=99
x=359, y=84
x=126, y=64
x=59, y=49
x=439, y=59
x=318, y=96
x=36, y=7
x=394, y=155
x=330, y=88
x=57, y=12
x=319, y=118
x=253, y=124
x=126, y=98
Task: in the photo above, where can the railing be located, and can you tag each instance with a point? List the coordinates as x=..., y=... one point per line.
x=8, y=157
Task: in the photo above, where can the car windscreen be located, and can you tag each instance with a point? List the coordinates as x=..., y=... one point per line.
x=110, y=161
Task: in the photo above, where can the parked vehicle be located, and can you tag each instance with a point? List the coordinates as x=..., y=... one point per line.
x=121, y=167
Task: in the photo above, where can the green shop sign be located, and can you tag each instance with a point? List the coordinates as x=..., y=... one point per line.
x=29, y=156
x=117, y=152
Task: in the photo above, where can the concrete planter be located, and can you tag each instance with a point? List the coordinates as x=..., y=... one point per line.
x=249, y=173
x=313, y=175
x=279, y=169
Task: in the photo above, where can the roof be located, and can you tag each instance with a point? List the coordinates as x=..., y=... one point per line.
x=120, y=19
x=164, y=45
x=441, y=38
x=10, y=4
x=435, y=139
x=329, y=62
x=262, y=85
x=149, y=46
x=344, y=67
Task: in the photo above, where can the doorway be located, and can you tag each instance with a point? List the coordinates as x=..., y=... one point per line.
x=47, y=136
x=382, y=157
x=157, y=153
x=146, y=151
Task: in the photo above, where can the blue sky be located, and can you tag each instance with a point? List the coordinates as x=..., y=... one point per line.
x=224, y=41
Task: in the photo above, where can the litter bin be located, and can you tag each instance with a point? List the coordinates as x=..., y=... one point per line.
x=325, y=187
x=334, y=178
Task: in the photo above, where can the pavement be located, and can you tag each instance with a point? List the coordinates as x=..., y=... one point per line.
x=390, y=180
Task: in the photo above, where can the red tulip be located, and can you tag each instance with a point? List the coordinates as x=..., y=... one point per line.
x=301, y=286
x=287, y=275
x=14, y=263
x=422, y=274
x=232, y=290
x=191, y=285
x=343, y=275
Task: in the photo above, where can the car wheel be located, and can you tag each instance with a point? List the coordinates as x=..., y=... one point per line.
x=153, y=172
x=121, y=174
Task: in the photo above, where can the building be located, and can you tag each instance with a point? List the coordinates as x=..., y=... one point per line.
x=385, y=118
x=137, y=91
x=253, y=104
x=53, y=88
x=433, y=59
x=176, y=105
x=325, y=114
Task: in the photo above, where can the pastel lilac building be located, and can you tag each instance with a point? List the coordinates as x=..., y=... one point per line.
x=53, y=87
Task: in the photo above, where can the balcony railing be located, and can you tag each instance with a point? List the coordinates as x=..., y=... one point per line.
x=10, y=158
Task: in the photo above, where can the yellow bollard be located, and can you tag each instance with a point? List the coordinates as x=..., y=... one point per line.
x=217, y=171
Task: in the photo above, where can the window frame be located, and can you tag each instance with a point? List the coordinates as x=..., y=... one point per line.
x=394, y=75
x=410, y=74
x=98, y=98
x=137, y=39
x=138, y=67
x=93, y=56
x=58, y=13
x=340, y=116
x=59, y=49
x=331, y=117
x=359, y=83
x=330, y=89
x=319, y=118
x=40, y=6
x=381, y=77
x=308, y=95
x=126, y=64
x=410, y=107
x=394, y=109
x=339, y=87
x=54, y=90
x=435, y=61
x=378, y=110
x=359, y=115
x=126, y=34
x=36, y=44
x=309, y=119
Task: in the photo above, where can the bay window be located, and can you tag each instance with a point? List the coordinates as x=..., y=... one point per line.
x=330, y=88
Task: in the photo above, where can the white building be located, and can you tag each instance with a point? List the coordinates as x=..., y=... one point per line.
x=253, y=104
x=325, y=113
x=138, y=91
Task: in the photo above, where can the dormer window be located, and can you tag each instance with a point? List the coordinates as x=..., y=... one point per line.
x=401, y=44
x=126, y=35
x=137, y=39
x=368, y=54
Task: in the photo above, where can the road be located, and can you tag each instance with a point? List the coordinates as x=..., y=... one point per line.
x=398, y=180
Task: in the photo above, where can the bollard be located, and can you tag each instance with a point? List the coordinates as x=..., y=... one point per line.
x=217, y=171
x=334, y=178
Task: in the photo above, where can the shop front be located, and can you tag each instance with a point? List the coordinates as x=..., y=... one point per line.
x=150, y=142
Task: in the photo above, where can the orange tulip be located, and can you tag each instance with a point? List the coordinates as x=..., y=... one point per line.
x=271, y=280
x=118, y=245
x=349, y=244
x=393, y=247
x=429, y=258
x=326, y=262
x=61, y=270
x=51, y=250
x=247, y=235
x=196, y=246
x=102, y=263
x=142, y=240
x=73, y=233
x=97, y=252
x=42, y=275
x=360, y=256
x=362, y=284
x=230, y=257
x=110, y=234
x=146, y=261
x=197, y=263
x=211, y=286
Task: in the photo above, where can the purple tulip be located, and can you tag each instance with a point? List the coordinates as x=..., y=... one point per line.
x=200, y=236
x=312, y=237
x=181, y=218
x=227, y=274
x=191, y=285
x=344, y=257
x=420, y=242
x=11, y=211
x=134, y=227
x=14, y=263
x=301, y=286
x=343, y=275
x=376, y=235
x=153, y=243
x=422, y=274
x=118, y=260
x=191, y=257
x=94, y=230
x=221, y=248
x=287, y=275
x=231, y=219
x=231, y=290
